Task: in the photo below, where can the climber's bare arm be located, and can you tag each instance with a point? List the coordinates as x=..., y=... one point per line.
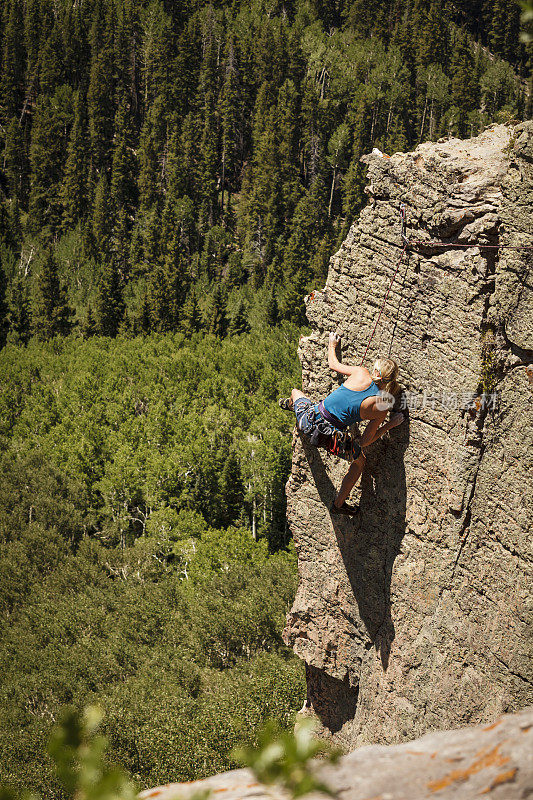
x=374, y=430
x=333, y=361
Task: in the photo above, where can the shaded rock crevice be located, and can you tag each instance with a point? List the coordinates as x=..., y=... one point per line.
x=422, y=607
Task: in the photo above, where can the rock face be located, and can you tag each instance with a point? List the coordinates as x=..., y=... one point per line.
x=417, y=616
x=494, y=761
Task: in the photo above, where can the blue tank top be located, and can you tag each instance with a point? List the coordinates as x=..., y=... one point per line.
x=344, y=404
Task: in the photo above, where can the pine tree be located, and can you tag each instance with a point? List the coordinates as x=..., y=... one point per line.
x=4, y=308
x=157, y=52
x=337, y=156
x=90, y=326
x=120, y=240
x=239, y=322
x=208, y=167
x=191, y=317
x=190, y=133
x=15, y=226
x=231, y=122
x=145, y=316
x=152, y=239
x=109, y=301
x=271, y=308
x=217, y=319
x=15, y=162
x=497, y=37
x=74, y=187
x=20, y=321
x=231, y=491
x=47, y=156
x=36, y=29
x=160, y=302
x=432, y=45
x=288, y=136
x=52, y=66
x=463, y=91
x=148, y=172
x=102, y=222
x=52, y=313
x=292, y=305
x=101, y=90
x=13, y=56
x=263, y=206
x=123, y=187
x=176, y=278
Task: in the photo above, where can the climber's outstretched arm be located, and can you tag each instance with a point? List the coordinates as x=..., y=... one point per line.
x=375, y=431
x=333, y=361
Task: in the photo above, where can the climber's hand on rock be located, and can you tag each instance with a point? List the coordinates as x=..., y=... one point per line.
x=334, y=338
x=396, y=419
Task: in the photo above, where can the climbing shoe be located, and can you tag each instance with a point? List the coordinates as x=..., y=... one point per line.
x=285, y=403
x=348, y=511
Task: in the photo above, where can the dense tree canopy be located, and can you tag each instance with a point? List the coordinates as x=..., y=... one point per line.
x=145, y=560
x=161, y=147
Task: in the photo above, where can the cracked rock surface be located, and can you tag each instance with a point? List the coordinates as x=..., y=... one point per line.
x=418, y=615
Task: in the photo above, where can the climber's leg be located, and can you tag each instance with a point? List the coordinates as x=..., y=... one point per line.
x=287, y=403
x=296, y=394
x=350, y=479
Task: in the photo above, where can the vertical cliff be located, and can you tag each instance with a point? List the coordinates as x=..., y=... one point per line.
x=418, y=614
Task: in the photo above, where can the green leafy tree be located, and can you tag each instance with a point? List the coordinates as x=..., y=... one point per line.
x=285, y=759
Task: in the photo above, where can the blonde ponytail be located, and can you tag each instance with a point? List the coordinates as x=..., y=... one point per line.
x=388, y=369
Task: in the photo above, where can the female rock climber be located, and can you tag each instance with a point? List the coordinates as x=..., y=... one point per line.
x=363, y=396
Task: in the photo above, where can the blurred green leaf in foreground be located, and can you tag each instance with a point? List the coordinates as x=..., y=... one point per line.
x=285, y=758
x=78, y=752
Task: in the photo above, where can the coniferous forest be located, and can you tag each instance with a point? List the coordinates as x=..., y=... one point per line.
x=174, y=177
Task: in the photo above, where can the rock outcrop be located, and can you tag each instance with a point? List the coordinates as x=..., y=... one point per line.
x=417, y=616
x=493, y=761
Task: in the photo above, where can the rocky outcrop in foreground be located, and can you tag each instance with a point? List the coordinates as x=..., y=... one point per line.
x=418, y=615
x=494, y=761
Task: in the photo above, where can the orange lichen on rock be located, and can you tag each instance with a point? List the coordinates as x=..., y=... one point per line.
x=503, y=777
x=494, y=725
x=484, y=759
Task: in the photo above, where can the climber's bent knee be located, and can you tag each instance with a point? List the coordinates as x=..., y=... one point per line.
x=296, y=394
x=302, y=407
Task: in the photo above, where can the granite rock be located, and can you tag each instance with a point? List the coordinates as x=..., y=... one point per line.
x=494, y=761
x=417, y=616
